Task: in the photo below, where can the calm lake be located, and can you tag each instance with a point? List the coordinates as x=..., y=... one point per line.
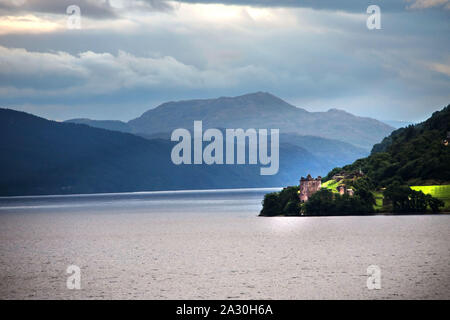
x=211, y=245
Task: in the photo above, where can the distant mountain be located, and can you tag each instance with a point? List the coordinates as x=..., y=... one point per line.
x=47, y=157
x=330, y=152
x=90, y=156
x=397, y=124
x=114, y=125
x=255, y=110
x=261, y=110
x=416, y=155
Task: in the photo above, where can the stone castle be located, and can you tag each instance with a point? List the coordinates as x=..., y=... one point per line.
x=309, y=186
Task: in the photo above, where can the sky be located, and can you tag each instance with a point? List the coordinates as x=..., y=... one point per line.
x=128, y=56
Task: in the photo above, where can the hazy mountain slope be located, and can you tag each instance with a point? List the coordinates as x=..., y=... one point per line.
x=261, y=110
x=44, y=157
x=114, y=125
x=330, y=152
x=47, y=157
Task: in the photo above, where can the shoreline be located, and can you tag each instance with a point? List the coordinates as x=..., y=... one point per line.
x=361, y=215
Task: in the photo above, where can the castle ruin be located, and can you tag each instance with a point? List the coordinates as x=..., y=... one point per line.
x=342, y=189
x=309, y=186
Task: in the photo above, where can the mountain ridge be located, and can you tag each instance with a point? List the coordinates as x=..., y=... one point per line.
x=50, y=157
x=256, y=110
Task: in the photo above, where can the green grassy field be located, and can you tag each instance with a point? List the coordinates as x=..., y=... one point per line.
x=331, y=185
x=441, y=192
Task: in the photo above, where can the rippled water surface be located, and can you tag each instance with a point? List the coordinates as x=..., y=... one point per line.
x=212, y=245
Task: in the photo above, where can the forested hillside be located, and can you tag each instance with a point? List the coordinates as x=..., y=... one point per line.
x=415, y=155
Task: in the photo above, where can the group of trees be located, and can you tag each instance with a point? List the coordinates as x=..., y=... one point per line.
x=324, y=202
x=285, y=202
x=401, y=199
x=405, y=200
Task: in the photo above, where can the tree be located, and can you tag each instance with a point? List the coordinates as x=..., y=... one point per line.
x=271, y=205
x=284, y=202
x=292, y=208
x=320, y=203
x=398, y=195
x=363, y=187
x=406, y=200
x=434, y=203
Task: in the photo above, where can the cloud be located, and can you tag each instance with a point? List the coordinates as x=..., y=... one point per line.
x=29, y=24
x=100, y=9
x=118, y=67
x=425, y=4
x=25, y=73
x=331, y=5
x=440, y=68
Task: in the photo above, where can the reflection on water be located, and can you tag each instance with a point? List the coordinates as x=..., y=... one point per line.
x=211, y=245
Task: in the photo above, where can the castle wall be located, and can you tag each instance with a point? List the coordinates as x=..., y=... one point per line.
x=308, y=187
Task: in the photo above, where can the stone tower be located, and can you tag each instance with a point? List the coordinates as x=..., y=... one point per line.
x=309, y=186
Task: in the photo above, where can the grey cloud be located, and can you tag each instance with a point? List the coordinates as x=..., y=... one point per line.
x=108, y=8
x=343, y=5
x=338, y=5
x=25, y=73
x=92, y=8
x=393, y=71
x=425, y=4
x=98, y=9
